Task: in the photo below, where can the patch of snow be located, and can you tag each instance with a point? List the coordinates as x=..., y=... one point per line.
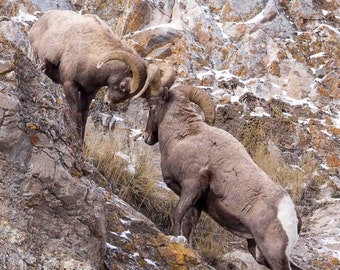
x=124, y=221
x=303, y=121
x=24, y=17
x=140, y=138
x=234, y=99
x=202, y=74
x=135, y=132
x=131, y=169
x=124, y=234
x=295, y=167
x=335, y=30
x=150, y=262
x=172, y=25
x=177, y=239
x=224, y=35
x=326, y=132
x=256, y=19
x=109, y=246
x=336, y=121
x=287, y=114
x=324, y=166
x=117, y=118
x=123, y=156
x=336, y=253
x=325, y=12
x=219, y=74
x=223, y=74
x=218, y=93
x=318, y=55
x=136, y=254
x=162, y=185
x=259, y=112
x=297, y=102
x=327, y=199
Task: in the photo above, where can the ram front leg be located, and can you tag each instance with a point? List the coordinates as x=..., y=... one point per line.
x=72, y=95
x=188, y=198
x=83, y=109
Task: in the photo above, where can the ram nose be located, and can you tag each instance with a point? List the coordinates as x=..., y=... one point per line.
x=146, y=138
x=149, y=139
x=106, y=99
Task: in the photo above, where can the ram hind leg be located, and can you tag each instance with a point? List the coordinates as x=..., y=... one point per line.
x=190, y=221
x=255, y=252
x=273, y=249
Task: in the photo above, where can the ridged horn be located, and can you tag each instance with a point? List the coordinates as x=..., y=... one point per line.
x=203, y=100
x=136, y=65
x=152, y=82
x=160, y=75
x=168, y=74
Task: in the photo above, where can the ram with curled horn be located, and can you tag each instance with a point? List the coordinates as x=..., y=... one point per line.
x=83, y=54
x=211, y=171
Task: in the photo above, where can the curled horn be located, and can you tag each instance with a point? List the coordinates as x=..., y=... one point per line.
x=136, y=65
x=153, y=81
x=203, y=100
x=168, y=74
x=161, y=75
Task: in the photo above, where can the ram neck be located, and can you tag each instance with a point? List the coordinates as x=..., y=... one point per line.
x=176, y=126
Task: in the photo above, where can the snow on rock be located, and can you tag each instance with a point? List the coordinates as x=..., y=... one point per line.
x=24, y=17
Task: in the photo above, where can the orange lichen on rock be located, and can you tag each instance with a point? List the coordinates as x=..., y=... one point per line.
x=333, y=160
x=178, y=255
x=274, y=68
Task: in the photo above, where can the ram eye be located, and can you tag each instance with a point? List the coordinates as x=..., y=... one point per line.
x=124, y=86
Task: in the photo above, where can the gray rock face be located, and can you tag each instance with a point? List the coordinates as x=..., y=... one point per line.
x=52, y=213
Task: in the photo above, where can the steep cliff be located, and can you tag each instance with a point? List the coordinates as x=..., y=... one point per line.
x=271, y=66
x=52, y=212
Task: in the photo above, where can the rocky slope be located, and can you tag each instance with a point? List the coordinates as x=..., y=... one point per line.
x=271, y=66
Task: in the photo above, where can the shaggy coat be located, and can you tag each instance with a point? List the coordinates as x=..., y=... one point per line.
x=211, y=171
x=83, y=54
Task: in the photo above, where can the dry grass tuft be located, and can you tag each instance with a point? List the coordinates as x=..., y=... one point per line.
x=293, y=178
x=138, y=184
x=212, y=241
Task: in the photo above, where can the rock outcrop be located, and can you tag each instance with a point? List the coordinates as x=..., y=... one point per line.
x=52, y=211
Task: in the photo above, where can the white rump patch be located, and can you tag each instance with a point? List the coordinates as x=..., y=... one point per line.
x=289, y=221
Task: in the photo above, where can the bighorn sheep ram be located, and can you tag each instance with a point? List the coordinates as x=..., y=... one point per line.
x=211, y=171
x=83, y=54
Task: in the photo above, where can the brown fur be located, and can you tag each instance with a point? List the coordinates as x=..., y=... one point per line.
x=70, y=46
x=211, y=171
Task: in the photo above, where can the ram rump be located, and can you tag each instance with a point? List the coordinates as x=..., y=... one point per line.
x=83, y=54
x=212, y=172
